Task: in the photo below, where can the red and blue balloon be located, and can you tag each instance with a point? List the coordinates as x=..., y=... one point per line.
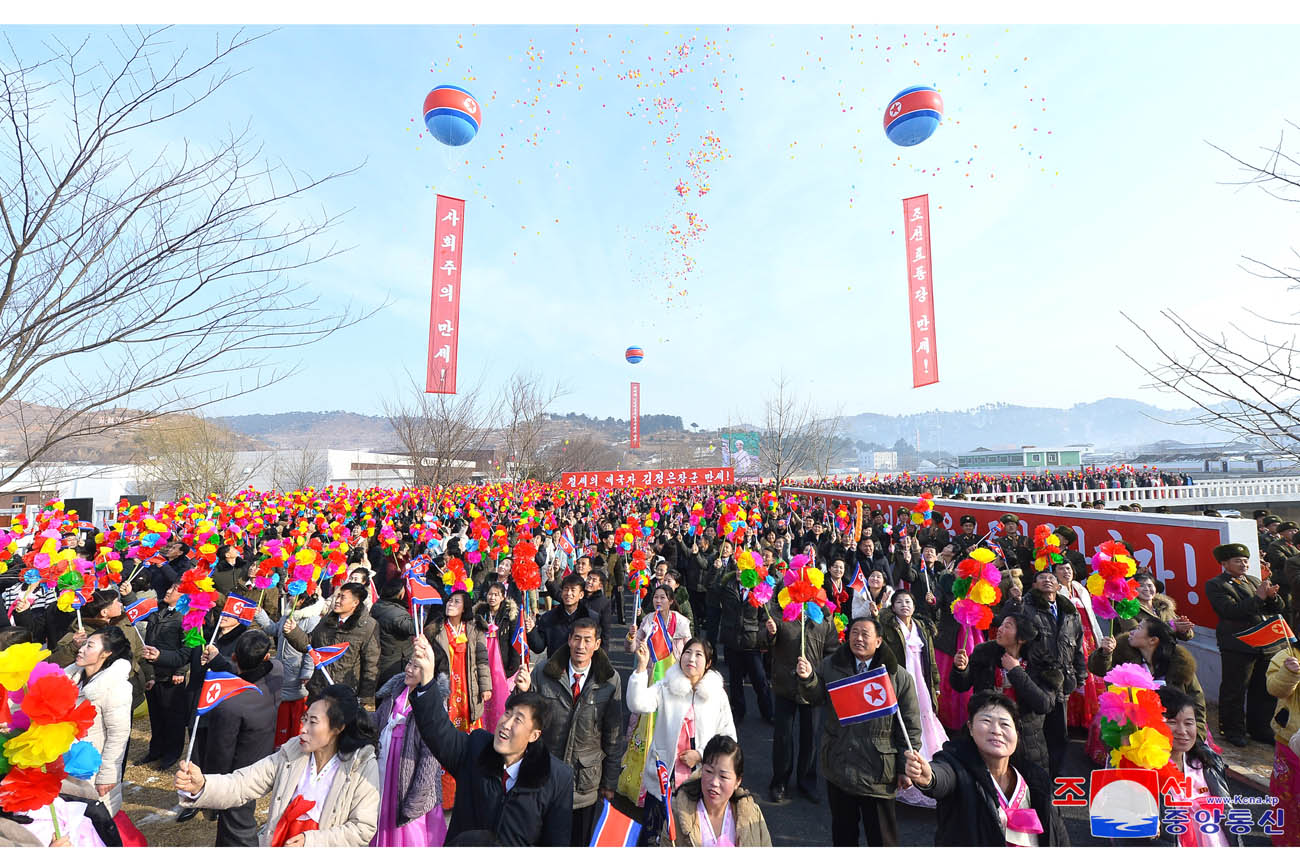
x=913, y=116
x=634, y=355
x=452, y=114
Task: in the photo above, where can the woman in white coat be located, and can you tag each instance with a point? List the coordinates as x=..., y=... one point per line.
x=324, y=783
x=690, y=706
x=102, y=673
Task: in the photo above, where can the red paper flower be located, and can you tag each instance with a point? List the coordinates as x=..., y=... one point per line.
x=50, y=699
x=27, y=788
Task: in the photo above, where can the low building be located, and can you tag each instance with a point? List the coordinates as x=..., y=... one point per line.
x=1026, y=458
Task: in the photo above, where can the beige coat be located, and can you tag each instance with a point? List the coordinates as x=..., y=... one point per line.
x=109, y=692
x=351, y=812
x=751, y=829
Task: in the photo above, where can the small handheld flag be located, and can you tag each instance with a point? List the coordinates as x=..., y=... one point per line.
x=666, y=789
x=1270, y=631
x=217, y=687
x=320, y=657
x=420, y=593
x=141, y=609
x=862, y=697
x=240, y=608
x=614, y=829
x=520, y=641
x=657, y=641
x=859, y=581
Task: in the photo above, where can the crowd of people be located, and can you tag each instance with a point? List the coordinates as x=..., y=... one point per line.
x=961, y=484
x=434, y=667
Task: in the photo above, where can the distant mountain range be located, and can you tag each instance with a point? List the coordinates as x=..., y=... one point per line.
x=1111, y=423
x=1106, y=424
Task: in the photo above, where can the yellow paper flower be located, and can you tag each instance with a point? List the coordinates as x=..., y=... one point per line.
x=1053, y=540
x=815, y=577
x=17, y=663
x=783, y=597
x=65, y=600
x=40, y=744
x=1130, y=565
x=1096, y=584
x=982, y=554
x=1147, y=748
x=981, y=592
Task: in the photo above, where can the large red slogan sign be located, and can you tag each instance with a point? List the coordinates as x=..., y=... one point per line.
x=634, y=434
x=444, y=310
x=626, y=479
x=1177, y=549
x=920, y=291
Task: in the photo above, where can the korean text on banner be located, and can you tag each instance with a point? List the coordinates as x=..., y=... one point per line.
x=635, y=432
x=444, y=310
x=626, y=479
x=920, y=291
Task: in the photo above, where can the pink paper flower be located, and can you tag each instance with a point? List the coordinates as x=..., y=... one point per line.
x=791, y=611
x=1130, y=676
x=1111, y=706
x=763, y=592
x=192, y=619
x=1102, y=607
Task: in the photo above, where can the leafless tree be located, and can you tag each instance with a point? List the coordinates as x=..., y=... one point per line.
x=187, y=455
x=139, y=280
x=300, y=468
x=583, y=453
x=794, y=435
x=1245, y=382
x=442, y=434
x=526, y=400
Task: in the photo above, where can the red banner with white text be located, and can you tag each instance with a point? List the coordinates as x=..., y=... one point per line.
x=920, y=291
x=444, y=309
x=635, y=433
x=625, y=479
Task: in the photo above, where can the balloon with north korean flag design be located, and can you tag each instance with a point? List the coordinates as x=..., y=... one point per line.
x=913, y=115
x=452, y=115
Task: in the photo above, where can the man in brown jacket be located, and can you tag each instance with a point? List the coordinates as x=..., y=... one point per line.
x=348, y=623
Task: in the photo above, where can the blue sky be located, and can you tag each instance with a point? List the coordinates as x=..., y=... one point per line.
x=1091, y=190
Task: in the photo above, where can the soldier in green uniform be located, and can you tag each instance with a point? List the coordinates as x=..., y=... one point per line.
x=1241, y=601
x=1268, y=524
x=1277, y=553
x=967, y=538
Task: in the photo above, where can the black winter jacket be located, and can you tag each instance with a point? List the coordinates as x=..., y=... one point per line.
x=241, y=729
x=1036, y=688
x=164, y=633
x=967, y=802
x=538, y=810
x=586, y=735
x=1063, y=636
x=744, y=627
x=551, y=631
x=395, y=628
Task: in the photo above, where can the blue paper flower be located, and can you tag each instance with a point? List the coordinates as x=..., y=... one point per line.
x=31, y=575
x=82, y=760
x=814, y=612
x=183, y=604
x=296, y=587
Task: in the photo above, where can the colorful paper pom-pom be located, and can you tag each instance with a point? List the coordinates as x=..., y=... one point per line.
x=17, y=663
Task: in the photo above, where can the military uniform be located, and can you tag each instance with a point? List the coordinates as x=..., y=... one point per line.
x=1277, y=553
x=1245, y=667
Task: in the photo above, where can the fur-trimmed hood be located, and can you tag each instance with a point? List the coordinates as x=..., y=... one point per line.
x=534, y=767
x=1164, y=607
x=709, y=688
x=1045, y=671
x=1182, y=664
x=509, y=611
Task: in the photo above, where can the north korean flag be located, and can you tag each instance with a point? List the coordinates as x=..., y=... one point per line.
x=80, y=597
x=859, y=581
x=141, y=609
x=657, y=641
x=520, y=640
x=420, y=593
x=240, y=608
x=217, y=687
x=566, y=543
x=666, y=790
x=1270, y=631
x=864, y=696
x=327, y=654
x=614, y=829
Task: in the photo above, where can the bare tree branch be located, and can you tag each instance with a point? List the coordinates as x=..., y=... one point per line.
x=137, y=281
x=442, y=434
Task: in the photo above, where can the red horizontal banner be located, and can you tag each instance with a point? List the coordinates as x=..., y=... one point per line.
x=624, y=479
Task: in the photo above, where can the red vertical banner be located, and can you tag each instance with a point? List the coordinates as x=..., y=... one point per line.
x=444, y=309
x=920, y=291
x=635, y=432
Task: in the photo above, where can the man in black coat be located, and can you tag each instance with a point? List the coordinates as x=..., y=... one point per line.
x=550, y=631
x=166, y=695
x=1060, y=634
x=241, y=732
x=395, y=627
x=597, y=604
x=584, y=695
x=1243, y=601
x=175, y=563
x=870, y=557
x=745, y=636
x=507, y=782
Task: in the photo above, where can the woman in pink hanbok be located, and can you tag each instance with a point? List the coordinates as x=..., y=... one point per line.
x=498, y=619
x=410, y=777
x=911, y=640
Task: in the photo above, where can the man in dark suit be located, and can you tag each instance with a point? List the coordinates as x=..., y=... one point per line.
x=1242, y=600
x=241, y=732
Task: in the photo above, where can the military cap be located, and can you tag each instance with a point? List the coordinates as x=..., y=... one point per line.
x=1224, y=552
x=1009, y=518
x=968, y=519
x=1290, y=524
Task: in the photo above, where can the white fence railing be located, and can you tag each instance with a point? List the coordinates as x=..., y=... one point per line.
x=1210, y=492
